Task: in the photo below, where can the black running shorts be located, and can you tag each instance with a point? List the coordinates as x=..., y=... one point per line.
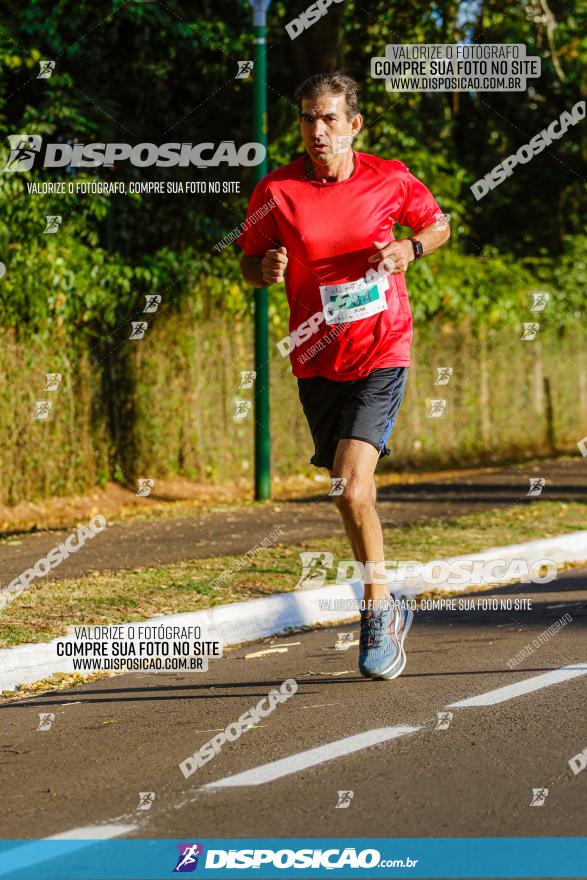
x=363, y=409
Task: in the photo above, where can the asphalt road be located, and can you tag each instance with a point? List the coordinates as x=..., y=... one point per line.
x=114, y=738
x=139, y=544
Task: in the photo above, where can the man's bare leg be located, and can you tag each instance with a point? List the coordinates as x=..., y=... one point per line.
x=355, y=461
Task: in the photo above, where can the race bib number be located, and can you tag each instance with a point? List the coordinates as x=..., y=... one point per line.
x=343, y=303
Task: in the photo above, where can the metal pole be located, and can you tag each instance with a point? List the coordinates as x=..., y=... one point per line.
x=262, y=427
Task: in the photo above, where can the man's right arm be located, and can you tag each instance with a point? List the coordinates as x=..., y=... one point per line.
x=263, y=271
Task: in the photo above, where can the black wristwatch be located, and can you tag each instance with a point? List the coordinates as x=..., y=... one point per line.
x=418, y=249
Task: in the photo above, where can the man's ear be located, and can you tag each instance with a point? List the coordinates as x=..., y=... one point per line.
x=356, y=124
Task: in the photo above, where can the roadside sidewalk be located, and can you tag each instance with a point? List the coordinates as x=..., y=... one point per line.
x=253, y=619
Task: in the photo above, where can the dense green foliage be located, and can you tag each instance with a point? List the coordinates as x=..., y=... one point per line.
x=131, y=71
x=162, y=71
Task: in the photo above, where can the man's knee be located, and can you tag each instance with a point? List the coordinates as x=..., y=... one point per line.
x=356, y=497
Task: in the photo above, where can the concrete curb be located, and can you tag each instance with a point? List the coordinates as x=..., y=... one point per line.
x=257, y=618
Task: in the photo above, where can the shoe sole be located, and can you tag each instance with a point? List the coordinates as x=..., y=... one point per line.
x=392, y=672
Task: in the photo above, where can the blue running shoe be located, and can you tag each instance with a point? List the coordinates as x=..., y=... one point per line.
x=380, y=651
x=404, y=617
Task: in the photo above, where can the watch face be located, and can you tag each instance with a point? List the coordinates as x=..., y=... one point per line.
x=418, y=249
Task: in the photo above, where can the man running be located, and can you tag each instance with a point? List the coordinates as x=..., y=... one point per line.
x=324, y=225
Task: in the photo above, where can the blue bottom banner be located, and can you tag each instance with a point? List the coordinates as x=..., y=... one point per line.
x=367, y=858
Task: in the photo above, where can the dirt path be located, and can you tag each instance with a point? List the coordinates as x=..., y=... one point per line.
x=231, y=532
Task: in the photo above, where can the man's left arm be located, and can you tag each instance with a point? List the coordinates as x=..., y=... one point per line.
x=397, y=255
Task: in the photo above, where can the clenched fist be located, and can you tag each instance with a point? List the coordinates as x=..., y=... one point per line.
x=393, y=256
x=273, y=265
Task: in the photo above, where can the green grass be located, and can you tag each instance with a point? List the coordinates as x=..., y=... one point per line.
x=46, y=609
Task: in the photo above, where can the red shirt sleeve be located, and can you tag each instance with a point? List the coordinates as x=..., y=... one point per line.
x=260, y=232
x=419, y=208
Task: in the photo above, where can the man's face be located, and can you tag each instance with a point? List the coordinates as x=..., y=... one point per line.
x=326, y=129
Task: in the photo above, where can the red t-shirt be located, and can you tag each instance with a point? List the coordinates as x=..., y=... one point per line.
x=329, y=230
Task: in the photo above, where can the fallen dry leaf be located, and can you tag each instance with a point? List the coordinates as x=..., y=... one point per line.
x=266, y=651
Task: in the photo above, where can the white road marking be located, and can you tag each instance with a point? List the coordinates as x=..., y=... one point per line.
x=19, y=857
x=94, y=832
x=526, y=686
x=26, y=856
x=310, y=758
